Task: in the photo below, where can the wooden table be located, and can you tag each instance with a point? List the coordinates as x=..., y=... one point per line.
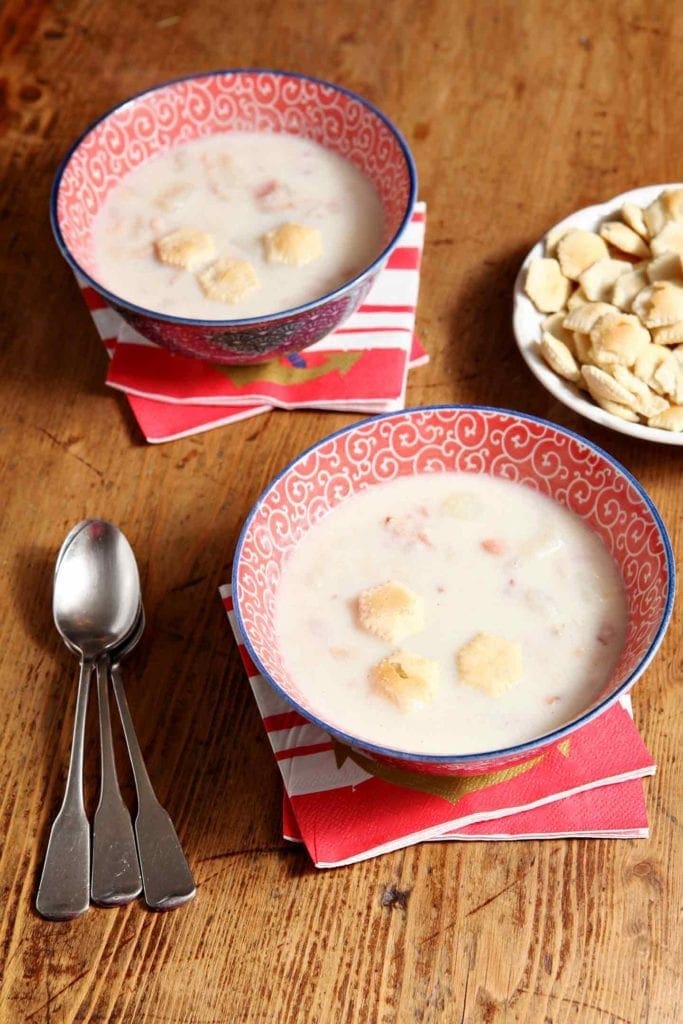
x=517, y=114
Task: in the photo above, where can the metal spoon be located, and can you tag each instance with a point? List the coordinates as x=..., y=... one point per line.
x=166, y=876
x=95, y=603
x=115, y=877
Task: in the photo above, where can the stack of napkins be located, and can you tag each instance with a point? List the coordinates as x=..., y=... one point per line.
x=360, y=367
x=345, y=807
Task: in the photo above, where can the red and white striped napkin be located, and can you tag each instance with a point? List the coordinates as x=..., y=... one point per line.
x=345, y=807
x=360, y=367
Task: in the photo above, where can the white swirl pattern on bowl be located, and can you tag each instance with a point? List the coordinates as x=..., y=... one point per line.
x=193, y=108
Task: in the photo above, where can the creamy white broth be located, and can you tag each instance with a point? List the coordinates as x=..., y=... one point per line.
x=554, y=589
x=237, y=186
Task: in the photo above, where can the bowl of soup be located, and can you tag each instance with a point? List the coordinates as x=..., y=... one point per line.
x=453, y=589
x=236, y=215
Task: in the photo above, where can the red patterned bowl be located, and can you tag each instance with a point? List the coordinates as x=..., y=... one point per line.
x=208, y=104
x=473, y=439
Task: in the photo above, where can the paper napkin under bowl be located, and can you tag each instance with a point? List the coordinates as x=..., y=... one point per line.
x=360, y=367
x=345, y=807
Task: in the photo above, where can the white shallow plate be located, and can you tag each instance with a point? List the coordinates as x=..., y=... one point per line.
x=526, y=322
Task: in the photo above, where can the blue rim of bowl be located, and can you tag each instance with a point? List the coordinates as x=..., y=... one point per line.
x=488, y=755
x=247, y=321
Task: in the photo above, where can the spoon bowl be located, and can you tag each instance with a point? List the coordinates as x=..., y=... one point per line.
x=125, y=646
x=96, y=595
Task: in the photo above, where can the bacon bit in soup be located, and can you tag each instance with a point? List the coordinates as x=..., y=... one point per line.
x=408, y=529
x=265, y=188
x=274, y=196
x=494, y=546
x=397, y=524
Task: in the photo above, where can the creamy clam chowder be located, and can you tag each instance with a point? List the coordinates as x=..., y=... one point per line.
x=240, y=224
x=450, y=613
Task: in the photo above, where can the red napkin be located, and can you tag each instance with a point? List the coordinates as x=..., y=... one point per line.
x=346, y=808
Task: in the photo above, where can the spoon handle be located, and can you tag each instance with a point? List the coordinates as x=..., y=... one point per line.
x=115, y=870
x=64, y=889
x=166, y=876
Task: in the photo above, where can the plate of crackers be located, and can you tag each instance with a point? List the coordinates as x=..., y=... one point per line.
x=598, y=312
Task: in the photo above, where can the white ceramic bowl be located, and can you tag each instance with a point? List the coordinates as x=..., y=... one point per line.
x=526, y=322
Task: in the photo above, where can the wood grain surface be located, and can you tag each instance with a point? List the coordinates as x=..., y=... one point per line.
x=517, y=114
